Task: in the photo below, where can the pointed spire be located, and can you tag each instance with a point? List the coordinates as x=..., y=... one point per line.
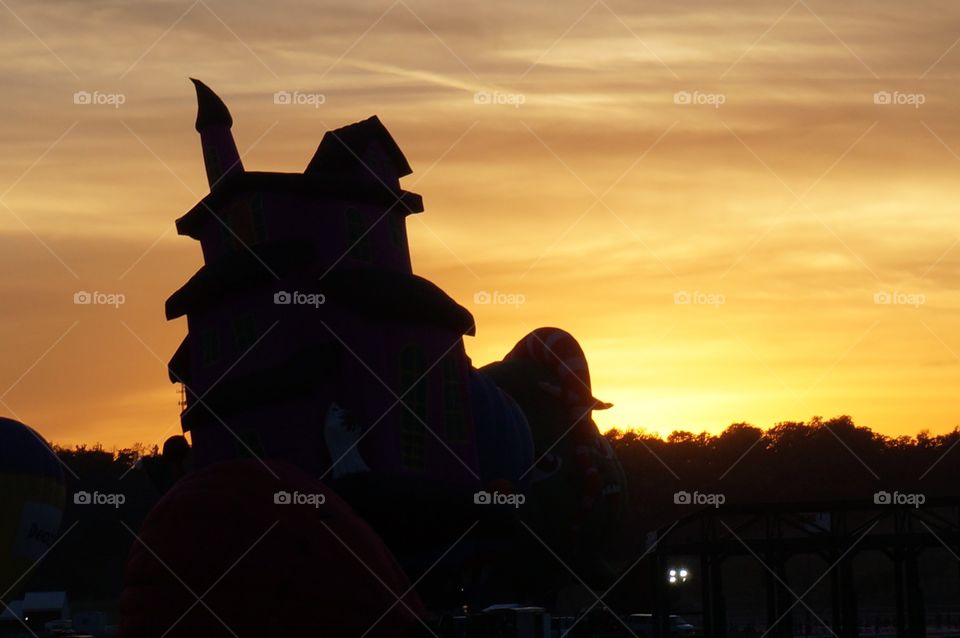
x=210, y=108
x=220, y=153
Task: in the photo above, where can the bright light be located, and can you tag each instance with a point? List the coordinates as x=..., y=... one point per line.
x=678, y=575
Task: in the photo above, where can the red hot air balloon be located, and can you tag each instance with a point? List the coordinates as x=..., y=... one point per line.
x=268, y=551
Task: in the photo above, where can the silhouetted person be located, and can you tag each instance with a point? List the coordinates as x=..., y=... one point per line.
x=173, y=463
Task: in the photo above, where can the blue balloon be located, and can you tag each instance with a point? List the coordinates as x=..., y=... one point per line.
x=32, y=494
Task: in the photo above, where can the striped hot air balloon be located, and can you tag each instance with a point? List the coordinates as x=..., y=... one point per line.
x=32, y=494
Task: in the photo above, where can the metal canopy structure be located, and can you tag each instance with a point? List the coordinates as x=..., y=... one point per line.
x=835, y=531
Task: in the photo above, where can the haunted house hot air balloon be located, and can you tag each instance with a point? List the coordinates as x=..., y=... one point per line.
x=306, y=323
x=311, y=341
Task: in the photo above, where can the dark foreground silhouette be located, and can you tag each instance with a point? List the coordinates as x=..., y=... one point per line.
x=789, y=462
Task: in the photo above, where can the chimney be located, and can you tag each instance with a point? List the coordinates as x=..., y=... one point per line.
x=220, y=154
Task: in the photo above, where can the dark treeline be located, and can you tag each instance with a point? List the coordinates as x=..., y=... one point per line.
x=815, y=461
x=89, y=559
x=818, y=460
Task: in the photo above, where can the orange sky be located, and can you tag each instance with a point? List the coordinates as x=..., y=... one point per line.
x=628, y=152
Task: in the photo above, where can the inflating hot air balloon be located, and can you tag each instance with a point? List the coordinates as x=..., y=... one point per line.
x=576, y=490
x=32, y=494
x=311, y=340
x=271, y=552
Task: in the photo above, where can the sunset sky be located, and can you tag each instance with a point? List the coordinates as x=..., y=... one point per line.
x=787, y=167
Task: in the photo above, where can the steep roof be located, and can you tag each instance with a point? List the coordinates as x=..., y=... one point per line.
x=340, y=149
x=404, y=202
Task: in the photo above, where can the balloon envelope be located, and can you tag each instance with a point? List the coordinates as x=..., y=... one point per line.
x=271, y=552
x=32, y=493
x=577, y=487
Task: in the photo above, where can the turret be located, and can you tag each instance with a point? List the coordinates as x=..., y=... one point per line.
x=220, y=154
